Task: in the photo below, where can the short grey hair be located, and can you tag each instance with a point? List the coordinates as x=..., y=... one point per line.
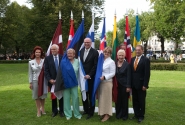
x=121, y=51
x=71, y=49
x=55, y=45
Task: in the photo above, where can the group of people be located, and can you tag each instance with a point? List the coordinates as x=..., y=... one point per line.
x=134, y=76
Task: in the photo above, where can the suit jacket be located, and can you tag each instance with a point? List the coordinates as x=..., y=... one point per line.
x=49, y=68
x=141, y=76
x=90, y=63
x=34, y=69
x=123, y=74
x=109, y=69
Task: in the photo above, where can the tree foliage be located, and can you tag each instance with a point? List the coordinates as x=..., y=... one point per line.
x=24, y=28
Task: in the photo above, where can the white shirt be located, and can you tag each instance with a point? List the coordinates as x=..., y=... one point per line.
x=138, y=59
x=87, y=51
x=55, y=57
x=109, y=69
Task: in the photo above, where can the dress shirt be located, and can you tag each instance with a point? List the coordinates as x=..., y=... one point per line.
x=138, y=59
x=57, y=58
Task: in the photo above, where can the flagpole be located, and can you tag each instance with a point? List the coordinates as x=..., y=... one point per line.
x=71, y=15
x=60, y=15
x=82, y=14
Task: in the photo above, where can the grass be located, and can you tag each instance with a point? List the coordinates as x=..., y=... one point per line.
x=164, y=104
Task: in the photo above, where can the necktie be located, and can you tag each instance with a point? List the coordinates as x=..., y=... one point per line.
x=135, y=63
x=85, y=54
x=56, y=63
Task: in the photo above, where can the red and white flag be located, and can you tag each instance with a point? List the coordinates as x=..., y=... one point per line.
x=71, y=32
x=57, y=39
x=127, y=40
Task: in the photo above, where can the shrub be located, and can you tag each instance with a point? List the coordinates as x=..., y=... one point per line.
x=167, y=66
x=13, y=61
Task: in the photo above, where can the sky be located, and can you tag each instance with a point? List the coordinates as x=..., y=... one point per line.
x=110, y=6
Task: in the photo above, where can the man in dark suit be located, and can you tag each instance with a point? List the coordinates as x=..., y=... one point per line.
x=52, y=63
x=89, y=58
x=140, y=73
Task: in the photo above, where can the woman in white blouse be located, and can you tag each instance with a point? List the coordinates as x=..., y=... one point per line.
x=35, y=66
x=105, y=87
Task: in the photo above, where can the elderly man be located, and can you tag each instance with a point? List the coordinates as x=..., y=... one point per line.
x=52, y=63
x=89, y=57
x=140, y=75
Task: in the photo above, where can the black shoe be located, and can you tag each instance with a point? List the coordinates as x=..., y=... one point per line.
x=134, y=117
x=62, y=115
x=140, y=120
x=84, y=113
x=88, y=117
x=54, y=114
x=125, y=118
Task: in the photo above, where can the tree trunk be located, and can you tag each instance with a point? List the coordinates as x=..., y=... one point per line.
x=145, y=48
x=162, y=44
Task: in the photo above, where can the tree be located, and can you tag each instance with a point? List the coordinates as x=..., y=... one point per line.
x=169, y=15
x=46, y=15
x=16, y=23
x=3, y=7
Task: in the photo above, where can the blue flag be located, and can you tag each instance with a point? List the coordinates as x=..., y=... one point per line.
x=68, y=73
x=99, y=68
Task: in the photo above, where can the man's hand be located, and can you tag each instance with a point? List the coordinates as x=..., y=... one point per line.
x=128, y=90
x=87, y=77
x=144, y=88
x=52, y=81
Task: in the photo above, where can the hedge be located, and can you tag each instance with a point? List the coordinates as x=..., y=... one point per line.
x=13, y=61
x=165, y=61
x=167, y=66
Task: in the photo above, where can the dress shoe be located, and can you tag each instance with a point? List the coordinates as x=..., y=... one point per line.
x=62, y=115
x=134, y=117
x=140, y=120
x=54, y=114
x=68, y=118
x=106, y=117
x=125, y=118
x=38, y=115
x=84, y=113
x=88, y=117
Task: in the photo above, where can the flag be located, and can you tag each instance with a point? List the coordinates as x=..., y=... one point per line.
x=57, y=39
x=66, y=67
x=115, y=43
x=114, y=57
x=103, y=37
x=127, y=41
x=99, y=68
x=136, y=37
x=81, y=80
x=71, y=32
x=91, y=33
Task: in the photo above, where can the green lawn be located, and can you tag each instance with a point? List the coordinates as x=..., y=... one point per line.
x=165, y=100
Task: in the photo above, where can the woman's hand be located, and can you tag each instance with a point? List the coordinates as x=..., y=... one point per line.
x=31, y=86
x=102, y=78
x=128, y=90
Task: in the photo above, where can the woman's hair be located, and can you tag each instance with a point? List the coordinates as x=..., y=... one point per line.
x=108, y=49
x=121, y=51
x=71, y=49
x=37, y=48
